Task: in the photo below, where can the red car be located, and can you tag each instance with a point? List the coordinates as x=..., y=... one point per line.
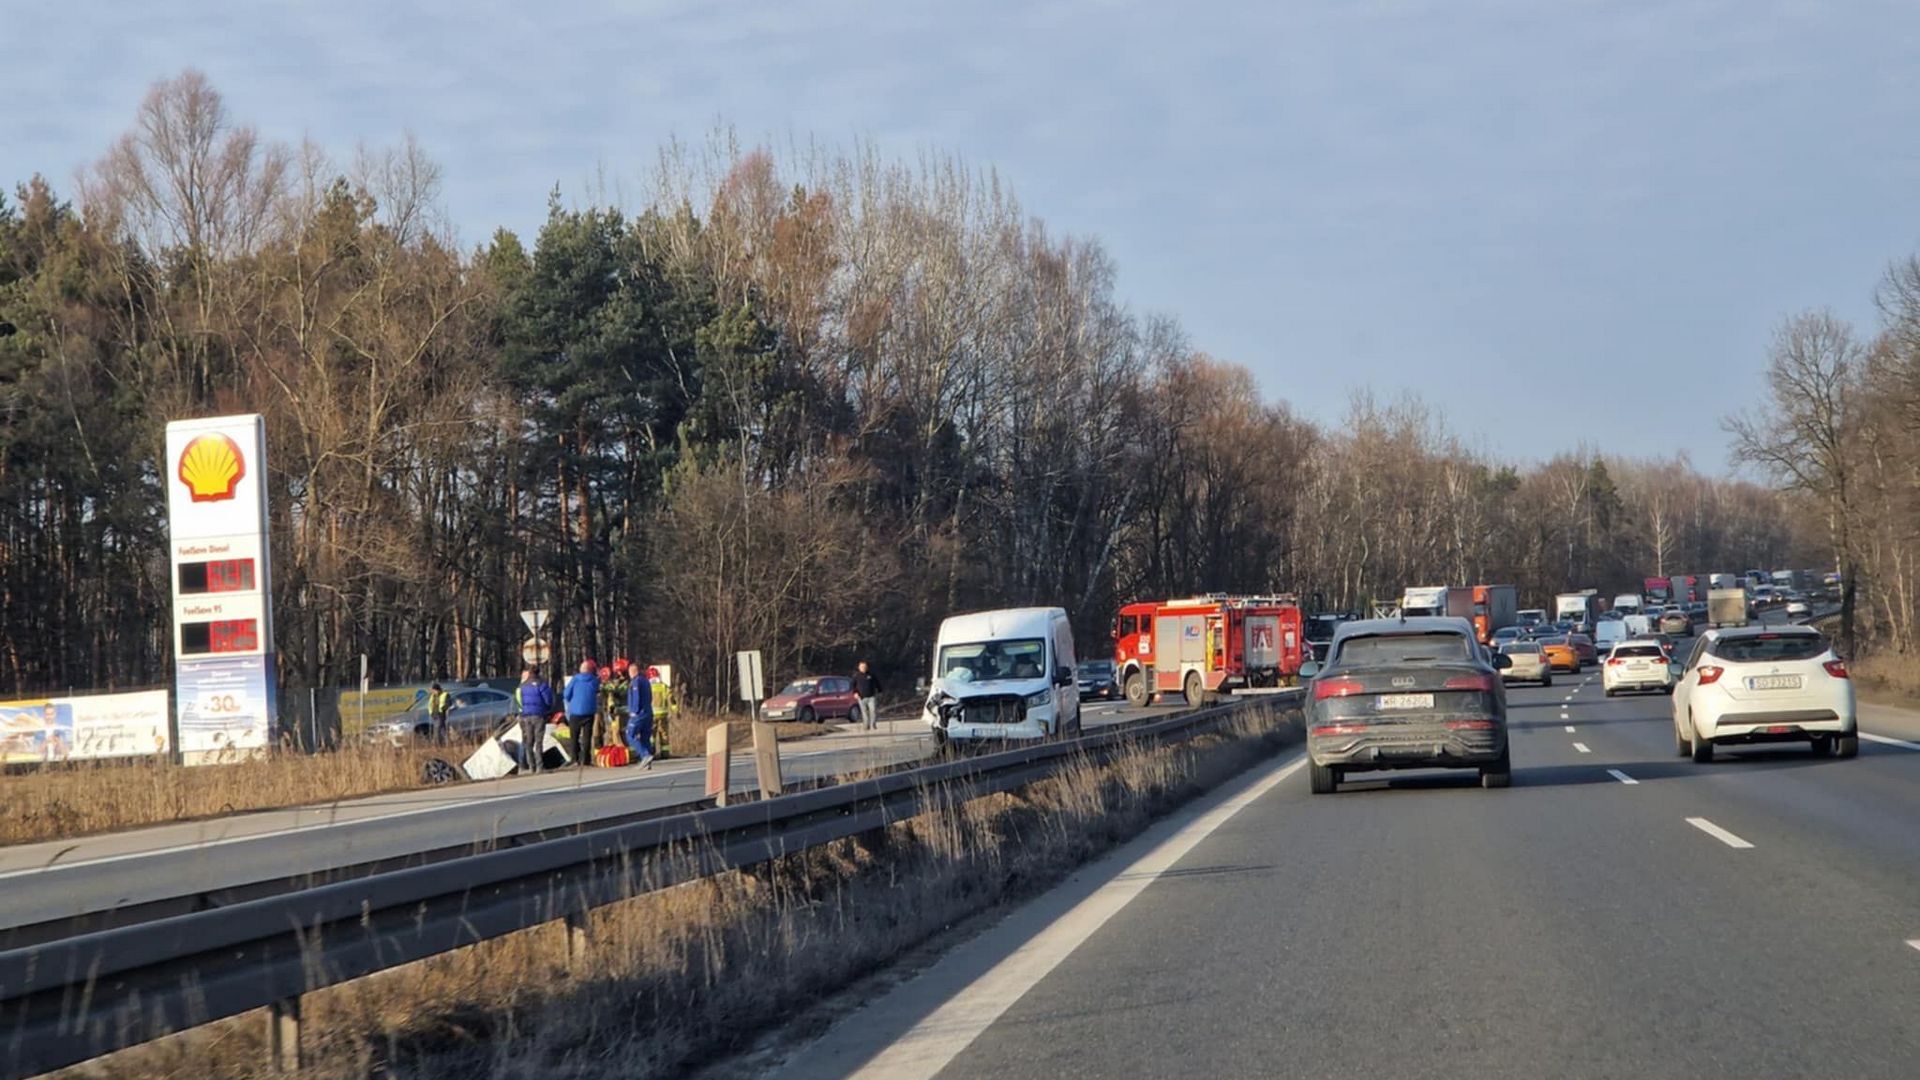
x=1583, y=645
x=816, y=697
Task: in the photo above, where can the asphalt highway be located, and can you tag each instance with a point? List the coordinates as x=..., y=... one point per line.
x=1619, y=912
x=147, y=872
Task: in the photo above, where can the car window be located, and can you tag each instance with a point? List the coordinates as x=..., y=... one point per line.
x=1405, y=648
x=1638, y=650
x=1520, y=647
x=1765, y=648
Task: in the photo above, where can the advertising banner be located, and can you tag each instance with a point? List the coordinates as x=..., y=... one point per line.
x=81, y=728
x=226, y=708
x=359, y=710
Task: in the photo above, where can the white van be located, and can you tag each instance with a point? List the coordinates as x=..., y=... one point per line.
x=1004, y=675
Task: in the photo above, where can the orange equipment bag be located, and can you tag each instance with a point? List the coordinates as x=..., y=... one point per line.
x=612, y=756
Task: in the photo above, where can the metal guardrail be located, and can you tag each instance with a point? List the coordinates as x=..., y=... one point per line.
x=67, y=1001
x=226, y=895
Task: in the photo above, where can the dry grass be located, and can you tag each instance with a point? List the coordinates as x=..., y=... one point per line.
x=83, y=798
x=91, y=797
x=685, y=976
x=1887, y=679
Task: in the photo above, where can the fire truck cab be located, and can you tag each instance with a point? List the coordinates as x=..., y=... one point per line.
x=1205, y=646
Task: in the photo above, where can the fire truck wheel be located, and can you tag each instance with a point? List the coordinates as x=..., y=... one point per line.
x=1136, y=689
x=1194, y=691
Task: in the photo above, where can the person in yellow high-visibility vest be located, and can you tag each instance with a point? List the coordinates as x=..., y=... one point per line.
x=439, y=704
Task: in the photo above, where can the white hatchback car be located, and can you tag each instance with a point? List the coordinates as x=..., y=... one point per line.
x=1764, y=684
x=1636, y=665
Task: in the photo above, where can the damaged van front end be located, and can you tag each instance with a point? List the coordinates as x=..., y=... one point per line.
x=962, y=712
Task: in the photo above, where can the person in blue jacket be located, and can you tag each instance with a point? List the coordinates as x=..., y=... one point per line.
x=582, y=699
x=535, y=699
x=640, y=717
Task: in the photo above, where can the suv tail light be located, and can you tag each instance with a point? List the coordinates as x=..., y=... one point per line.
x=1836, y=668
x=1710, y=674
x=1614, y=661
x=1327, y=688
x=1482, y=683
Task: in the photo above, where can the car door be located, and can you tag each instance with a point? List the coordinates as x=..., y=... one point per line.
x=836, y=696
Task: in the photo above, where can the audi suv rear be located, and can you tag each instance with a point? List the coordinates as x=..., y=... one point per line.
x=1414, y=693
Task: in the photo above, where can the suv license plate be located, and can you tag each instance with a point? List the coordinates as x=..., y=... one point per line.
x=1774, y=682
x=1406, y=701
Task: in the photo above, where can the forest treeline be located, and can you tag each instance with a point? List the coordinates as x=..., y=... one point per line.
x=808, y=404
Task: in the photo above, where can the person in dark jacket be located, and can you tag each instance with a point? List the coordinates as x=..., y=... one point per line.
x=582, y=696
x=640, y=717
x=535, y=699
x=867, y=689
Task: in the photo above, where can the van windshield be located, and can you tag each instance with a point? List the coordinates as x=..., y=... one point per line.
x=988, y=661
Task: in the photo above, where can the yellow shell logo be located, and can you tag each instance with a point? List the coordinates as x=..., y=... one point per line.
x=211, y=467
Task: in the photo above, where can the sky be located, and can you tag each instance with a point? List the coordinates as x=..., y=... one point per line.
x=1557, y=222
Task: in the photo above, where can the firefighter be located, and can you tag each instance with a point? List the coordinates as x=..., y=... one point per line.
x=613, y=701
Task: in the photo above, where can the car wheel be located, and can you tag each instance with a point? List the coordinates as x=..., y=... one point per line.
x=1322, y=778
x=1702, y=747
x=1547, y=681
x=1681, y=748
x=1610, y=692
x=1847, y=746
x=853, y=713
x=1499, y=774
x=1136, y=689
x=803, y=715
x=1194, y=691
x=1822, y=745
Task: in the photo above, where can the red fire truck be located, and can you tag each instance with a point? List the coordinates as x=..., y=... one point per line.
x=1207, y=645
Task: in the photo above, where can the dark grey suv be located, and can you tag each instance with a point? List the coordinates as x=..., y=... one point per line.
x=1407, y=694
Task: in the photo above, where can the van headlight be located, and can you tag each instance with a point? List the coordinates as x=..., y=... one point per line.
x=1039, y=700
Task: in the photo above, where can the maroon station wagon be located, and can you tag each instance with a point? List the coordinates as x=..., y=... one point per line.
x=816, y=697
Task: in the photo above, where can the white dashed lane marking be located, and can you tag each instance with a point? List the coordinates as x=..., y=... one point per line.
x=1718, y=833
x=1569, y=727
x=1582, y=747
x=1622, y=777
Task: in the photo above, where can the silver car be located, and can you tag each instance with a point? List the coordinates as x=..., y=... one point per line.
x=475, y=713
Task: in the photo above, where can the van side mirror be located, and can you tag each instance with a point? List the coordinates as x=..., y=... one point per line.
x=1063, y=676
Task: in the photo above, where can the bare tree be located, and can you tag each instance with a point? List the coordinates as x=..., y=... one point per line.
x=1800, y=437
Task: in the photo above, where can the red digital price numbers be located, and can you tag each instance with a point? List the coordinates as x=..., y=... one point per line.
x=219, y=636
x=217, y=576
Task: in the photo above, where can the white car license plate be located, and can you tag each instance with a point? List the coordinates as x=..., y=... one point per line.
x=1773, y=682
x=1406, y=701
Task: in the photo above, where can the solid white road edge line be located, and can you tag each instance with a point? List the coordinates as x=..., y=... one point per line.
x=1582, y=747
x=936, y=1040
x=1885, y=740
x=1622, y=777
x=1718, y=833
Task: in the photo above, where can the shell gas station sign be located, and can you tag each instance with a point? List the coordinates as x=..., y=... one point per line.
x=225, y=700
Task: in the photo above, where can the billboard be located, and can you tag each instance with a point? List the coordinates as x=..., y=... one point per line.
x=84, y=728
x=216, y=471
x=226, y=707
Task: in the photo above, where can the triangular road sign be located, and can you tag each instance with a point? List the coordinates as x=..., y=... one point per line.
x=534, y=619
